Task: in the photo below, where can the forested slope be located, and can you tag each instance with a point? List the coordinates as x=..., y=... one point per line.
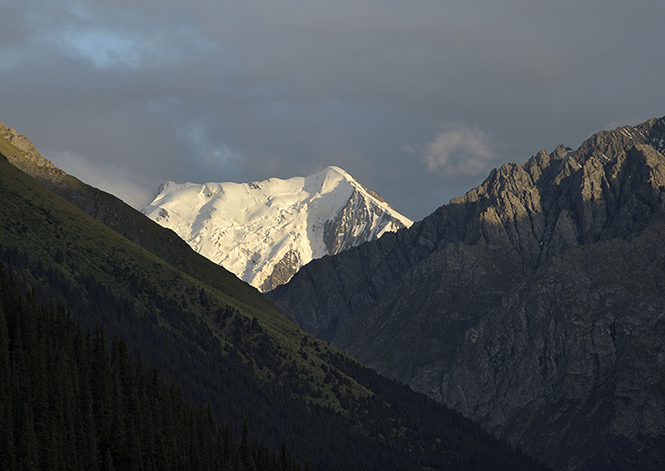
x=68, y=403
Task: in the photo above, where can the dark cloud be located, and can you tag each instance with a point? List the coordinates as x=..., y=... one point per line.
x=418, y=100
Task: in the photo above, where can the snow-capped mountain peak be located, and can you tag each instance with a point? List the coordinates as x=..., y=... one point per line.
x=265, y=231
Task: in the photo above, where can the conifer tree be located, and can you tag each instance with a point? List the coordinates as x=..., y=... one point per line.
x=7, y=450
x=246, y=459
x=28, y=449
x=100, y=387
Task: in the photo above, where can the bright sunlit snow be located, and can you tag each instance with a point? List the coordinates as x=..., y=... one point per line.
x=249, y=227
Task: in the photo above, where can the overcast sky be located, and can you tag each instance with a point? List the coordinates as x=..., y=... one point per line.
x=418, y=100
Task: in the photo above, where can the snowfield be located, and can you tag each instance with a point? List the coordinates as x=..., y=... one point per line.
x=265, y=231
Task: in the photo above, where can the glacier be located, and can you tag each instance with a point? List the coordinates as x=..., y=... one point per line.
x=265, y=231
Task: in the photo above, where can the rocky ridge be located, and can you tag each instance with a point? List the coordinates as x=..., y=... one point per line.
x=533, y=304
x=103, y=206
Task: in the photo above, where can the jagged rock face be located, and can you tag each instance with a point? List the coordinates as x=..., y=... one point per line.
x=356, y=222
x=265, y=231
x=287, y=266
x=534, y=304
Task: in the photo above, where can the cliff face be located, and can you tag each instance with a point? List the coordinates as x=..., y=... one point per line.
x=534, y=304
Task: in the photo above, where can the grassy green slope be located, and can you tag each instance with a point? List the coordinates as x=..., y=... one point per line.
x=225, y=344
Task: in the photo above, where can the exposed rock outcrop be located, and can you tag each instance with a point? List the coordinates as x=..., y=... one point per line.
x=534, y=304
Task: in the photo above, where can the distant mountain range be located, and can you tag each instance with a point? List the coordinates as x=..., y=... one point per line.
x=265, y=231
x=229, y=349
x=535, y=304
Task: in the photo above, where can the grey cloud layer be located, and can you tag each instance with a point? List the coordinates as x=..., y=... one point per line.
x=418, y=100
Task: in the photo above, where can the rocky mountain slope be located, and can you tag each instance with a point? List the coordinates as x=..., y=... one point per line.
x=534, y=304
x=265, y=231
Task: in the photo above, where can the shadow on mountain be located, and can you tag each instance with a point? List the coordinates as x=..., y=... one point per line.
x=533, y=304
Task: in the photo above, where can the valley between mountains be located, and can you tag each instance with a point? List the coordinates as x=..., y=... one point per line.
x=533, y=305
x=189, y=368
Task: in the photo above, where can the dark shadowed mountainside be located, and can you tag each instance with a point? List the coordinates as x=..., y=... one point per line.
x=535, y=304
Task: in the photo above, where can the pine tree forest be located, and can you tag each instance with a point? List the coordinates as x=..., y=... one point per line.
x=76, y=400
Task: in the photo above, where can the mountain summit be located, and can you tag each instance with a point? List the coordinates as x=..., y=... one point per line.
x=265, y=231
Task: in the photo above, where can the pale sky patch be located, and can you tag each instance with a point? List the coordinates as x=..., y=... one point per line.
x=104, y=48
x=133, y=188
x=459, y=150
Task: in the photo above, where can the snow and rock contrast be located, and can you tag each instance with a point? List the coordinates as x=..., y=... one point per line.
x=265, y=231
